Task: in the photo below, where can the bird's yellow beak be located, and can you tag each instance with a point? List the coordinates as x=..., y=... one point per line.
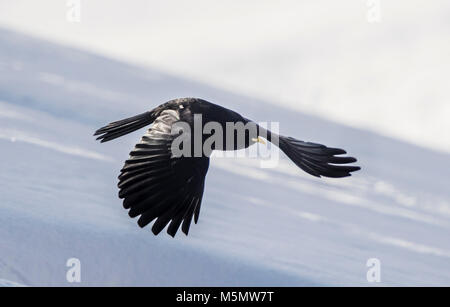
x=259, y=140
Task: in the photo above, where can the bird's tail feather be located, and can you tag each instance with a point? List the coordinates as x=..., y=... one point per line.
x=124, y=126
x=316, y=159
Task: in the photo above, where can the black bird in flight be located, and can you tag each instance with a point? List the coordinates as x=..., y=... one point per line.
x=155, y=184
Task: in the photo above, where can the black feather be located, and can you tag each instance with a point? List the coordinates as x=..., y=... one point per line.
x=316, y=159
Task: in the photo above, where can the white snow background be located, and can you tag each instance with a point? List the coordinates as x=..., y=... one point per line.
x=257, y=226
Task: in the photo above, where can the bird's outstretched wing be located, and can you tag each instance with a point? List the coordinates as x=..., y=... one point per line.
x=155, y=185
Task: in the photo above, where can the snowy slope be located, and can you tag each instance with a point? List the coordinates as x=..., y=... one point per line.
x=7, y=283
x=257, y=226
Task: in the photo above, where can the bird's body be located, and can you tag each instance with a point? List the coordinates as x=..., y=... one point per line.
x=157, y=183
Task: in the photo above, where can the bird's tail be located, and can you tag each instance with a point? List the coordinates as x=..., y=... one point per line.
x=124, y=126
x=316, y=159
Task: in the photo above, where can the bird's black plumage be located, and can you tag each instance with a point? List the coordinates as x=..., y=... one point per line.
x=156, y=185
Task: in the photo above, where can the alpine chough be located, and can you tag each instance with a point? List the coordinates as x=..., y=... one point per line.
x=156, y=184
